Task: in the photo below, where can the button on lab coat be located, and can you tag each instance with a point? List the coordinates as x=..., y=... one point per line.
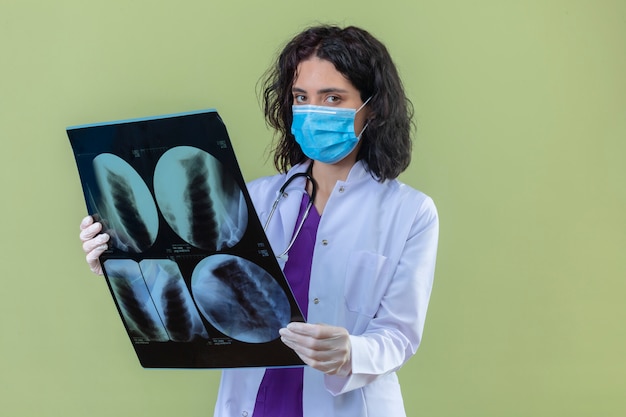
x=372, y=273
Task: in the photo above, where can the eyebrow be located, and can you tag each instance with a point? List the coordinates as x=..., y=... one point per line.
x=322, y=91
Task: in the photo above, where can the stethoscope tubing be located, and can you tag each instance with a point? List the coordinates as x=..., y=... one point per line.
x=281, y=194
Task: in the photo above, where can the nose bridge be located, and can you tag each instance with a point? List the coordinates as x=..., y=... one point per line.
x=316, y=100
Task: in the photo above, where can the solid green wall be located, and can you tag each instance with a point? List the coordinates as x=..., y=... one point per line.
x=521, y=110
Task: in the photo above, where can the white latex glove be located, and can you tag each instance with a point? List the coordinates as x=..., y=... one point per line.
x=322, y=347
x=94, y=243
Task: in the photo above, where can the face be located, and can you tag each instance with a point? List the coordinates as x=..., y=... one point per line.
x=317, y=82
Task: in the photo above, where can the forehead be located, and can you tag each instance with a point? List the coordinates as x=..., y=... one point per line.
x=315, y=74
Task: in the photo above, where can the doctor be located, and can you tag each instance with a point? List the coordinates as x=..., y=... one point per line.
x=361, y=261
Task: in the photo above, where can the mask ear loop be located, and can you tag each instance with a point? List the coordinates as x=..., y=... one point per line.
x=363, y=105
x=363, y=130
x=367, y=123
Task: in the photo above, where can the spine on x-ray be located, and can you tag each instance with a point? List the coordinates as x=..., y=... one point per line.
x=176, y=312
x=133, y=310
x=204, y=230
x=126, y=207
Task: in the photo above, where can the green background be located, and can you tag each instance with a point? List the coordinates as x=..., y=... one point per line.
x=521, y=109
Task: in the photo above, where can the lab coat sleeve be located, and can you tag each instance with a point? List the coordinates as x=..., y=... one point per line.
x=395, y=332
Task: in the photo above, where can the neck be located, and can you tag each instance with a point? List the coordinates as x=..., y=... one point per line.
x=326, y=176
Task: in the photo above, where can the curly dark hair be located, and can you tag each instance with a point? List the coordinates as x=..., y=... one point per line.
x=366, y=63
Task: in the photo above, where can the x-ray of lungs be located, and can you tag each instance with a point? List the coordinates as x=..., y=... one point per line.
x=189, y=266
x=172, y=299
x=126, y=203
x=135, y=301
x=239, y=298
x=199, y=199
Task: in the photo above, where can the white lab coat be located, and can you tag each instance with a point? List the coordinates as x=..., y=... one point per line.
x=372, y=273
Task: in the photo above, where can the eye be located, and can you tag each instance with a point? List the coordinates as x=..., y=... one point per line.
x=299, y=98
x=332, y=99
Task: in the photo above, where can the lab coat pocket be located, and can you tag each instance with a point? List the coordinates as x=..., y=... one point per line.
x=367, y=279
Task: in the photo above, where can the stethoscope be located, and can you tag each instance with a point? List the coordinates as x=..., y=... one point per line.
x=282, y=193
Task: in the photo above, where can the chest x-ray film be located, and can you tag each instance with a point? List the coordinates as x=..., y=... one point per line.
x=190, y=269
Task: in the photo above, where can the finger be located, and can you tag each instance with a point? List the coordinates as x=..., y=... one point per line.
x=305, y=354
x=98, y=241
x=315, y=350
x=290, y=343
x=328, y=359
x=329, y=367
x=298, y=340
x=90, y=231
x=303, y=328
x=304, y=333
x=87, y=221
x=318, y=331
x=300, y=344
x=93, y=259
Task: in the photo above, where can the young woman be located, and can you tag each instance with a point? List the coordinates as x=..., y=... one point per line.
x=362, y=265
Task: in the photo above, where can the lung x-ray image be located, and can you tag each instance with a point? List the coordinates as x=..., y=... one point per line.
x=189, y=267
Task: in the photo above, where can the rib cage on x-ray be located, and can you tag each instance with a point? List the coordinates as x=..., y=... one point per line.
x=239, y=298
x=172, y=299
x=199, y=199
x=134, y=301
x=126, y=205
x=244, y=290
x=154, y=300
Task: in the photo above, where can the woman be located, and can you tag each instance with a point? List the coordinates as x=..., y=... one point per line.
x=362, y=265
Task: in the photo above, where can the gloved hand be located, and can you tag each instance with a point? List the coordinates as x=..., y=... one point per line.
x=94, y=243
x=322, y=347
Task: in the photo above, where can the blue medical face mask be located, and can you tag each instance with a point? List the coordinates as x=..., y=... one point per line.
x=325, y=134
